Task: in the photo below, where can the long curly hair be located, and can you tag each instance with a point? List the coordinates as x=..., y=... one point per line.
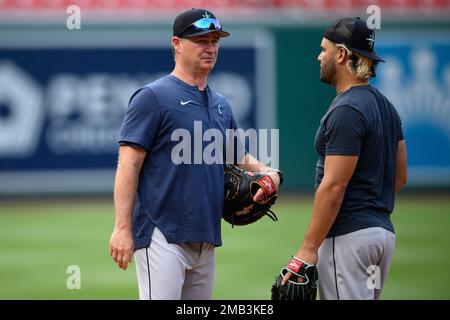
x=362, y=67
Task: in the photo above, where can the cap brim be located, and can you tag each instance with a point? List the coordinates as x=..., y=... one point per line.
x=367, y=54
x=222, y=34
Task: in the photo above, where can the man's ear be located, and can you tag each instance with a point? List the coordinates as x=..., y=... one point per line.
x=341, y=55
x=176, y=43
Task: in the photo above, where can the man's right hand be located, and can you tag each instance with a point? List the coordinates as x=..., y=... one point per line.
x=121, y=247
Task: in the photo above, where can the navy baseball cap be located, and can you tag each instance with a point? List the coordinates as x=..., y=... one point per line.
x=196, y=22
x=354, y=33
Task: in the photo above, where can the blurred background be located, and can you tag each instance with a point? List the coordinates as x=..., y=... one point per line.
x=68, y=69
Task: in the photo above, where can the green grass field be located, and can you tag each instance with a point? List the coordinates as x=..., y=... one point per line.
x=40, y=239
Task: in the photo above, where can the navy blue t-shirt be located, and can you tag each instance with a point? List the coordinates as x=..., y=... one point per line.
x=184, y=200
x=362, y=122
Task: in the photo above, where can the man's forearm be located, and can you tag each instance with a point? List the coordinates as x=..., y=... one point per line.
x=399, y=183
x=124, y=195
x=327, y=203
x=252, y=164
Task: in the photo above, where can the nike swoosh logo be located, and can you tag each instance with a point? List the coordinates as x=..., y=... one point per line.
x=183, y=103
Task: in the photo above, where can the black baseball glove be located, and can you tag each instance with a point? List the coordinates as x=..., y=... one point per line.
x=302, y=285
x=240, y=186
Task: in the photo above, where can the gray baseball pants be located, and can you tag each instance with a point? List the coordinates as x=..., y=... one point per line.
x=355, y=266
x=169, y=271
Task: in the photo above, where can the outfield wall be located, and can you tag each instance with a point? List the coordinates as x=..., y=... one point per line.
x=63, y=94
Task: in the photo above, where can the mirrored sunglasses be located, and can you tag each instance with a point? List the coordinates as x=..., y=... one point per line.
x=202, y=25
x=207, y=24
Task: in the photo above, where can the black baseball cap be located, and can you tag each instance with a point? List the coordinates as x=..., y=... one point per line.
x=354, y=33
x=195, y=22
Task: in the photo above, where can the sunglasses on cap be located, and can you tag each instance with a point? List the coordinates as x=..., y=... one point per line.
x=203, y=25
